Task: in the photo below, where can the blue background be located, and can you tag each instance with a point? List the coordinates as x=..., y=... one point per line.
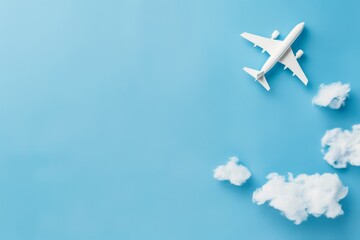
x=115, y=113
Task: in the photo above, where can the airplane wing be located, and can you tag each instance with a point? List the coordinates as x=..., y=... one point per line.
x=290, y=61
x=268, y=44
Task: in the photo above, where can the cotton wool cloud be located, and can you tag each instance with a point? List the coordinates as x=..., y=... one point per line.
x=232, y=171
x=297, y=198
x=332, y=95
x=342, y=147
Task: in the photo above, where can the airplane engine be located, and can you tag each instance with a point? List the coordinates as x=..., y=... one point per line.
x=275, y=34
x=299, y=53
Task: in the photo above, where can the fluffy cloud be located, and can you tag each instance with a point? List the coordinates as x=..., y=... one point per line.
x=332, y=95
x=342, y=147
x=305, y=195
x=236, y=173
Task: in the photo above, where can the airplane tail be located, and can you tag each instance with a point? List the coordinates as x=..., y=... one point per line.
x=259, y=76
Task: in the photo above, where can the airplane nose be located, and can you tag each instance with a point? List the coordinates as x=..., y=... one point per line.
x=300, y=26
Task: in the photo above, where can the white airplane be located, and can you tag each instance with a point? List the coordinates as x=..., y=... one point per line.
x=279, y=51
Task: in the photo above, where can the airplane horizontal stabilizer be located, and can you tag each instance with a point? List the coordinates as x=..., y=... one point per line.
x=256, y=74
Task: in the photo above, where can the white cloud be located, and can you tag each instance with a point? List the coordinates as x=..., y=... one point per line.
x=342, y=147
x=236, y=173
x=332, y=95
x=305, y=195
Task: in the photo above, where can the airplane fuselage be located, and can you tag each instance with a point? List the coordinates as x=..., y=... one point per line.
x=286, y=44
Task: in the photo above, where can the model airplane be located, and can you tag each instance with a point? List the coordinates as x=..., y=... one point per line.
x=279, y=51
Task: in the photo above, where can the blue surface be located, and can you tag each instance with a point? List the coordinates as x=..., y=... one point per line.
x=114, y=113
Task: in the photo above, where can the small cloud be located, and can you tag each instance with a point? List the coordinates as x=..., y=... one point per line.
x=236, y=173
x=297, y=198
x=342, y=147
x=332, y=95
